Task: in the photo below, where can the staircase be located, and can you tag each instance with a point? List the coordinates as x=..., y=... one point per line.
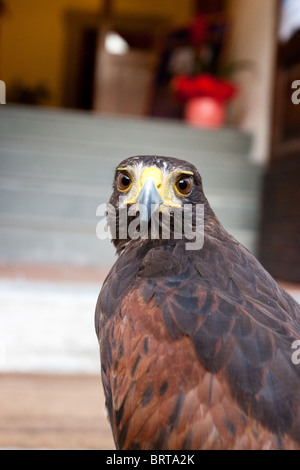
x=56, y=167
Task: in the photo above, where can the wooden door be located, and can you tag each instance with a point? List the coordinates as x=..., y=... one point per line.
x=279, y=245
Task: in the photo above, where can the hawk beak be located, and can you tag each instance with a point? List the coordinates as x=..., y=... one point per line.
x=152, y=195
x=149, y=200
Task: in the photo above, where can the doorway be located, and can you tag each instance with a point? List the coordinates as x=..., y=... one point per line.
x=126, y=79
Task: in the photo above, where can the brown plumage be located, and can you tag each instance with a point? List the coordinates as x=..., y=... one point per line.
x=196, y=346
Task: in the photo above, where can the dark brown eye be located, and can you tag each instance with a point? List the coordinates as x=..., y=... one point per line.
x=184, y=184
x=123, y=181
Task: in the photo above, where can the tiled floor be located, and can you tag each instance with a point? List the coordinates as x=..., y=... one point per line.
x=53, y=412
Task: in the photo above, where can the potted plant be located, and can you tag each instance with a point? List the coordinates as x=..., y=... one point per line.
x=205, y=97
x=199, y=81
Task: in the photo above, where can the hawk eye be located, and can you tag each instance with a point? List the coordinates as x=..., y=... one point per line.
x=123, y=181
x=184, y=185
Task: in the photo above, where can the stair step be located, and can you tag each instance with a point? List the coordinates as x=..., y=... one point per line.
x=122, y=133
x=32, y=205
x=56, y=167
x=96, y=172
x=32, y=245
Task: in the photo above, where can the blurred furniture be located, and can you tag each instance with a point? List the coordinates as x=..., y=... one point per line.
x=102, y=81
x=136, y=82
x=279, y=248
x=198, y=47
x=125, y=83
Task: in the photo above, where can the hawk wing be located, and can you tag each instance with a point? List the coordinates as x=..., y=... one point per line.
x=196, y=351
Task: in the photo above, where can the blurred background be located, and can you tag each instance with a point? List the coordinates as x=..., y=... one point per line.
x=87, y=84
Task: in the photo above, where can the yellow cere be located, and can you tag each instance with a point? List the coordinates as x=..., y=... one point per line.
x=164, y=182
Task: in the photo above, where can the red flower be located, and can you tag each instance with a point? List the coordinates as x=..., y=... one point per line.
x=198, y=30
x=203, y=85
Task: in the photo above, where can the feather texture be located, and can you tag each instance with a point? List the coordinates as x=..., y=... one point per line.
x=196, y=347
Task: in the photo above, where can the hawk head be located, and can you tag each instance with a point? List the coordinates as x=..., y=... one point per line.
x=151, y=193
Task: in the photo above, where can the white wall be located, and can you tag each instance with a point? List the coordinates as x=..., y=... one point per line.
x=253, y=38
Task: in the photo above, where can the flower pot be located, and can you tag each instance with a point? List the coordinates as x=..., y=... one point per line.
x=205, y=112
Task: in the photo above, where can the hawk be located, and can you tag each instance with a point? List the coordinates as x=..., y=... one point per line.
x=195, y=341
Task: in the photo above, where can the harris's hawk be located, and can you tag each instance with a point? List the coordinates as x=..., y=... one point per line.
x=195, y=344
